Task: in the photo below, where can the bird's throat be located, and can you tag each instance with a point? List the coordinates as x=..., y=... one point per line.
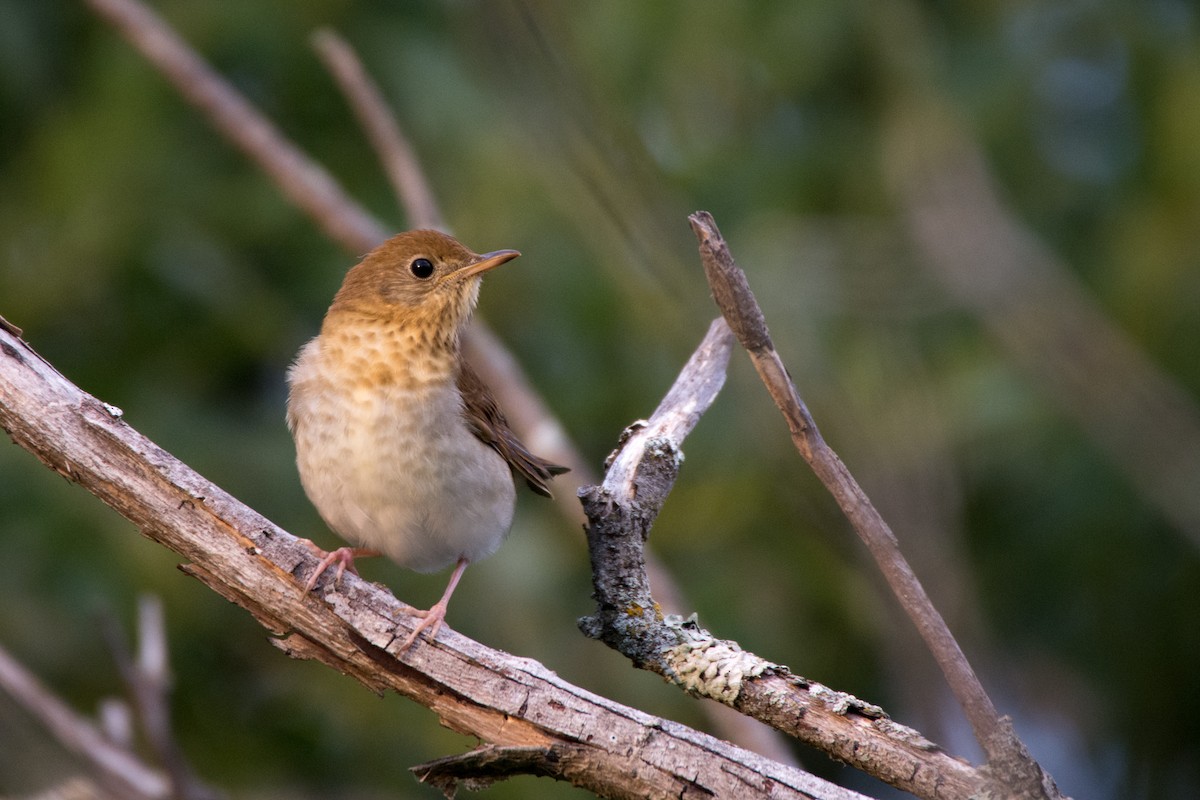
x=401, y=354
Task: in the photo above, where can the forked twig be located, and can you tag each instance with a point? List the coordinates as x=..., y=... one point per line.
x=639, y=476
x=1006, y=755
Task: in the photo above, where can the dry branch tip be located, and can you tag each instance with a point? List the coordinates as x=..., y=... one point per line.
x=730, y=289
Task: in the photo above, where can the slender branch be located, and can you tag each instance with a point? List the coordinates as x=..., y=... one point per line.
x=303, y=181
x=8, y=327
x=995, y=735
x=621, y=511
x=1050, y=326
x=398, y=156
x=357, y=629
x=638, y=477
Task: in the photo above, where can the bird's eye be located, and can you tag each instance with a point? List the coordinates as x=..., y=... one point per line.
x=421, y=267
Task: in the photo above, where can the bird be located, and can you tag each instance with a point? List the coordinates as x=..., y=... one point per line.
x=400, y=445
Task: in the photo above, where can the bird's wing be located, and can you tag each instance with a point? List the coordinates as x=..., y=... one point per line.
x=488, y=422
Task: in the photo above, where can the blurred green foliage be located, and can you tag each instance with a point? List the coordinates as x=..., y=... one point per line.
x=155, y=267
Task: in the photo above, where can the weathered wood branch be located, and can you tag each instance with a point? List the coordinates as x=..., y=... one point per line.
x=639, y=476
x=503, y=700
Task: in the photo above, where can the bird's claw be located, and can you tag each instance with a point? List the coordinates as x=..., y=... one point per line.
x=343, y=557
x=431, y=620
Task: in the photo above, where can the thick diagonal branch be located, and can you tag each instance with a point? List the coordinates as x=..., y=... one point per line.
x=240, y=554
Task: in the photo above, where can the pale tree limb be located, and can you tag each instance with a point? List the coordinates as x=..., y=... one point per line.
x=1009, y=762
x=610, y=749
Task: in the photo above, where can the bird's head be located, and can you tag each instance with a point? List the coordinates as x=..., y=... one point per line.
x=423, y=277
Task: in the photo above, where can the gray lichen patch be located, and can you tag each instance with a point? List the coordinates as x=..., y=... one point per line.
x=666, y=448
x=842, y=703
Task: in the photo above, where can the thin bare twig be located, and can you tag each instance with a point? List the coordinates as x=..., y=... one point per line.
x=397, y=155
x=619, y=572
x=1005, y=752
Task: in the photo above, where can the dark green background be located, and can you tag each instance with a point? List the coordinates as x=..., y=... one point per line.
x=160, y=271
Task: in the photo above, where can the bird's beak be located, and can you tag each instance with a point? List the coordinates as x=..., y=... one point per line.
x=488, y=261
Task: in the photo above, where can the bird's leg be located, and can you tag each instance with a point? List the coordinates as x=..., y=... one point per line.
x=433, y=618
x=344, y=556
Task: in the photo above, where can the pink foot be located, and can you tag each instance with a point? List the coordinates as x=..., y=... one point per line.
x=343, y=557
x=434, y=617
x=431, y=620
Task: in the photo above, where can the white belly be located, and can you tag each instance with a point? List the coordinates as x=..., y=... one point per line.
x=399, y=471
